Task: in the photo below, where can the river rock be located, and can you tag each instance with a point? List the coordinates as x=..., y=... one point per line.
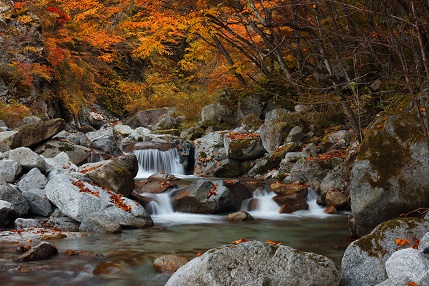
x=407, y=265
x=229, y=168
x=20, y=206
x=257, y=263
x=42, y=251
x=77, y=154
x=153, y=187
x=291, y=203
x=81, y=199
x=33, y=134
x=121, y=131
x=209, y=150
x=110, y=175
x=5, y=208
x=289, y=189
x=210, y=197
x=38, y=202
x=34, y=179
x=273, y=134
x=364, y=260
x=99, y=222
x=389, y=176
x=28, y=159
x=9, y=170
x=243, y=146
x=169, y=263
x=240, y=216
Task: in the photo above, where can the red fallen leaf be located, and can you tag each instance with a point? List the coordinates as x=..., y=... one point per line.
x=241, y=240
x=199, y=254
x=273, y=242
x=412, y=284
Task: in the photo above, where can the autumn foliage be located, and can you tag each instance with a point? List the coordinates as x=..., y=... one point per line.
x=132, y=55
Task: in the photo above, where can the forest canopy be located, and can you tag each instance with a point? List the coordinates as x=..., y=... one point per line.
x=132, y=55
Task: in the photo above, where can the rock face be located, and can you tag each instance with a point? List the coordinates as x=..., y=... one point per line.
x=210, y=197
x=389, y=176
x=364, y=259
x=82, y=199
x=208, y=151
x=255, y=264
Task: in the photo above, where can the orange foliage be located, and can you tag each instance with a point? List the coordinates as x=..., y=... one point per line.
x=241, y=240
x=402, y=241
x=118, y=201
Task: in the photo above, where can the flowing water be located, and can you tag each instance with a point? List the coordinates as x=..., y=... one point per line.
x=127, y=258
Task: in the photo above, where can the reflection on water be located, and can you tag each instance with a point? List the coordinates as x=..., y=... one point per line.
x=128, y=257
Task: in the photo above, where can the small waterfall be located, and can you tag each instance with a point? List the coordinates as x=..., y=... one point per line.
x=154, y=160
x=161, y=204
x=265, y=203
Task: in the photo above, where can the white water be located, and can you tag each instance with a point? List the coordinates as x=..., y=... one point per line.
x=154, y=160
x=161, y=210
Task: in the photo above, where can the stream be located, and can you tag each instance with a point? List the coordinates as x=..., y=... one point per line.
x=127, y=258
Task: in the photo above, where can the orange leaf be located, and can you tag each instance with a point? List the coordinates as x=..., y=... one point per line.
x=241, y=240
x=273, y=242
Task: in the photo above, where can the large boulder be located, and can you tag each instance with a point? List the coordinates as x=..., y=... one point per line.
x=28, y=159
x=77, y=154
x=19, y=204
x=256, y=263
x=78, y=200
x=5, y=208
x=169, y=263
x=389, y=176
x=33, y=134
x=364, y=259
x=273, y=134
x=9, y=170
x=210, y=197
x=218, y=112
x=99, y=222
x=243, y=146
x=209, y=151
x=32, y=180
x=38, y=202
x=110, y=175
x=42, y=251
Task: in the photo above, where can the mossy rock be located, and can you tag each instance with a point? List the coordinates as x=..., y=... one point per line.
x=364, y=259
x=389, y=176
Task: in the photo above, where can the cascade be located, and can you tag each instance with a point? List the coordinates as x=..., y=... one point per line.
x=154, y=160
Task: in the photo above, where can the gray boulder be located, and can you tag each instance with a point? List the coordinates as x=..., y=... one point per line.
x=76, y=153
x=19, y=204
x=210, y=197
x=61, y=162
x=364, y=260
x=34, y=179
x=208, y=151
x=5, y=208
x=273, y=134
x=38, y=202
x=407, y=265
x=295, y=135
x=250, y=104
x=99, y=222
x=28, y=159
x=78, y=200
x=243, y=146
x=218, y=112
x=389, y=176
x=9, y=170
x=256, y=263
